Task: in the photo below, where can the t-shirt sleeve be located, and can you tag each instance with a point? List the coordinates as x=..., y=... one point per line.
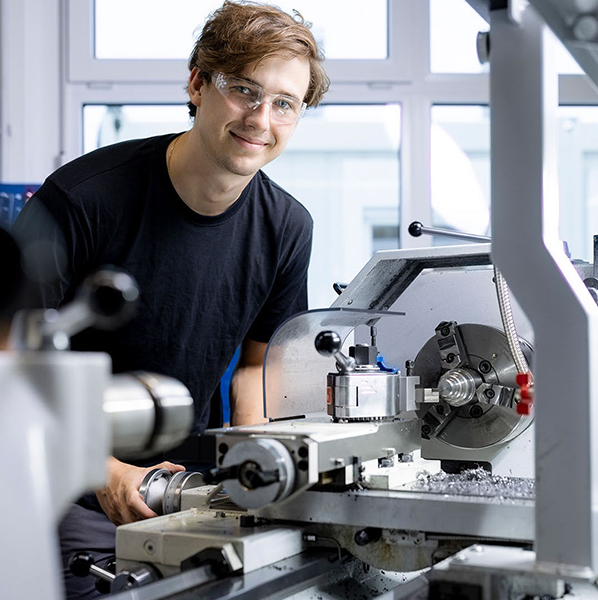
x=288, y=295
x=48, y=231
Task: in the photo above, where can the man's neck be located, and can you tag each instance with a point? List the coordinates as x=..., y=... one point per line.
x=204, y=187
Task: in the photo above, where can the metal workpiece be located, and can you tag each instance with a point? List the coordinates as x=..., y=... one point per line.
x=162, y=490
x=478, y=397
x=457, y=387
x=148, y=413
x=179, y=483
x=152, y=488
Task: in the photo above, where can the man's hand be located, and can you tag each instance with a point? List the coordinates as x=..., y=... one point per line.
x=120, y=499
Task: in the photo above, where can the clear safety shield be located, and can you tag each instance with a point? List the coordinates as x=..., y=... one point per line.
x=295, y=373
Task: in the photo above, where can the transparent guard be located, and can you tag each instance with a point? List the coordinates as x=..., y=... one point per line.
x=295, y=373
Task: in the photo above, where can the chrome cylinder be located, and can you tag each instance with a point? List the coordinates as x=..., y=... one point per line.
x=148, y=413
x=457, y=387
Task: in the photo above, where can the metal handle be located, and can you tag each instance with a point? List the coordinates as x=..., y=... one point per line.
x=329, y=343
x=107, y=299
x=416, y=229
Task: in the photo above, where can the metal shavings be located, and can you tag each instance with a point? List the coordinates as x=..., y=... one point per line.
x=475, y=482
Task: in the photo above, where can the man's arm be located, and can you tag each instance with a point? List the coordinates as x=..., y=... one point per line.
x=246, y=390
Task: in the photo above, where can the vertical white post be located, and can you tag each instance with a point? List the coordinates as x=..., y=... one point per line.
x=526, y=248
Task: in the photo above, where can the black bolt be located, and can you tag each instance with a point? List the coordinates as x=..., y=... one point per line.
x=303, y=464
x=223, y=448
x=367, y=536
x=303, y=451
x=489, y=393
x=450, y=358
x=476, y=411
x=440, y=409
x=485, y=367
x=445, y=331
x=426, y=429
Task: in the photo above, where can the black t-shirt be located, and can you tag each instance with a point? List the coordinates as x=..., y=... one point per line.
x=206, y=283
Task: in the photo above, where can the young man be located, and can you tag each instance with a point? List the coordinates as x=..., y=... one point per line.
x=219, y=251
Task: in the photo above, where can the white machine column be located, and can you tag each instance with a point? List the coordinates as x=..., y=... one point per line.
x=526, y=248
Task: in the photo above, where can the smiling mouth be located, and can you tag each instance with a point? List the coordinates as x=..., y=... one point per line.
x=249, y=143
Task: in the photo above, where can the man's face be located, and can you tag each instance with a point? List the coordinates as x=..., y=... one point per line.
x=242, y=141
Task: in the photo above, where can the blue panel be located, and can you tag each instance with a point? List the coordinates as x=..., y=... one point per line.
x=225, y=386
x=12, y=200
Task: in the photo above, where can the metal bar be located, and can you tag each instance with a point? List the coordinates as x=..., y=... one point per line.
x=297, y=571
x=527, y=250
x=416, y=229
x=464, y=515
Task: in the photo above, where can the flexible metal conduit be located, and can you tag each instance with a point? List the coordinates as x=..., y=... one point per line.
x=508, y=323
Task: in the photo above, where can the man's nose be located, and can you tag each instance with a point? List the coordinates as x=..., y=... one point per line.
x=259, y=117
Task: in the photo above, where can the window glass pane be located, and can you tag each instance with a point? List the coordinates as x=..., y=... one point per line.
x=461, y=173
x=454, y=26
x=166, y=29
x=460, y=168
x=108, y=124
x=342, y=164
x=578, y=178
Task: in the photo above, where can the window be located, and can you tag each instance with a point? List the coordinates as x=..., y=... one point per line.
x=460, y=169
x=150, y=40
x=109, y=124
x=454, y=26
x=342, y=164
x=154, y=29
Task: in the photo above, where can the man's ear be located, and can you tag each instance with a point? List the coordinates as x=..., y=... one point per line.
x=196, y=86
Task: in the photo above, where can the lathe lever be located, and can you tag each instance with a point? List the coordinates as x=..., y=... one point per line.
x=220, y=474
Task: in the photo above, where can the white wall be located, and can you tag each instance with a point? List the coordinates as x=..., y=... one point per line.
x=30, y=89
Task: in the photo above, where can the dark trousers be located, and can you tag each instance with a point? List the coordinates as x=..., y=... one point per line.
x=84, y=529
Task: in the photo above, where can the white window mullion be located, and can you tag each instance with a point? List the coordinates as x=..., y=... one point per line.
x=415, y=166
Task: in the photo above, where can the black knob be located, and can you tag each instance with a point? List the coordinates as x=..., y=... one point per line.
x=415, y=229
x=328, y=343
x=81, y=563
x=220, y=474
x=112, y=296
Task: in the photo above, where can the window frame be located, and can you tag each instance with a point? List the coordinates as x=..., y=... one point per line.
x=404, y=78
x=83, y=67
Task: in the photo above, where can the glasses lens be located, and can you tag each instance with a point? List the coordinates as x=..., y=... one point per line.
x=247, y=95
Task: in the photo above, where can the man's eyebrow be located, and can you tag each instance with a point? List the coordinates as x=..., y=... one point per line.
x=249, y=80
